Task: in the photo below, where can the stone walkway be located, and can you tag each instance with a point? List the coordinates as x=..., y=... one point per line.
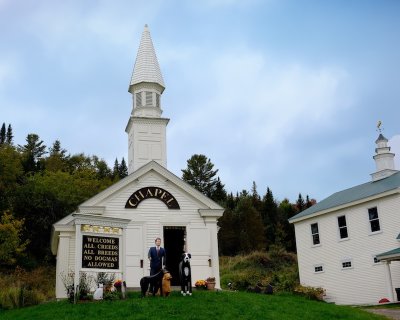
x=389, y=313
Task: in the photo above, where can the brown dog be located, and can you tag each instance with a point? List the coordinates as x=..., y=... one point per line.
x=166, y=284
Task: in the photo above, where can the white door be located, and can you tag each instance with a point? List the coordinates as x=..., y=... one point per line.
x=134, y=256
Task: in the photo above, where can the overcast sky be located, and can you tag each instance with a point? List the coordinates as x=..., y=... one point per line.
x=283, y=93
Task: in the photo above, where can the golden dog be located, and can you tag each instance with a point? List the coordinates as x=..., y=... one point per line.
x=166, y=285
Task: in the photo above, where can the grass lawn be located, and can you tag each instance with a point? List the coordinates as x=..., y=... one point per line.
x=202, y=305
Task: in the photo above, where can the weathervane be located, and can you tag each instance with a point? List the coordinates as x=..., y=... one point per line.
x=379, y=126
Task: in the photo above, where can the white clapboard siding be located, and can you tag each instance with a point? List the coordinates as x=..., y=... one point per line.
x=365, y=281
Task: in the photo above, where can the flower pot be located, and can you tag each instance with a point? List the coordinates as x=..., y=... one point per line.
x=210, y=285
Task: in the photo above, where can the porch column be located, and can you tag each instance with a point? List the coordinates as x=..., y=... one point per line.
x=211, y=223
x=389, y=284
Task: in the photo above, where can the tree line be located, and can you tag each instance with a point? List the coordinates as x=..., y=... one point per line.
x=250, y=221
x=40, y=185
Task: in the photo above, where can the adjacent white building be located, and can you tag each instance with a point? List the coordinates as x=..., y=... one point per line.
x=112, y=231
x=348, y=243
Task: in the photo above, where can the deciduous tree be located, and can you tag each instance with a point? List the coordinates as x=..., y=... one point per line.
x=12, y=247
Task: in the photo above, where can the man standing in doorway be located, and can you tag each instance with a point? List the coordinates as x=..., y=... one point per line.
x=157, y=257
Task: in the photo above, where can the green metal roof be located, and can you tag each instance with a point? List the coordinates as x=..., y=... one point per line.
x=359, y=192
x=393, y=252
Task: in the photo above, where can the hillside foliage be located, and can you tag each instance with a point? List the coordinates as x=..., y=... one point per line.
x=40, y=185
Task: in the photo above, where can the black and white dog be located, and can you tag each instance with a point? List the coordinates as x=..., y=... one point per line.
x=153, y=281
x=185, y=274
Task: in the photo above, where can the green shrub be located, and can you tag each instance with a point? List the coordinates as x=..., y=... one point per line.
x=112, y=295
x=18, y=297
x=276, y=267
x=33, y=297
x=311, y=293
x=25, y=288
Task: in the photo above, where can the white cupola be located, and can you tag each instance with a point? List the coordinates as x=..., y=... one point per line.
x=384, y=159
x=146, y=129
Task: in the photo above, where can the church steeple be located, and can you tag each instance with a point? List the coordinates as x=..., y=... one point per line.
x=146, y=129
x=384, y=159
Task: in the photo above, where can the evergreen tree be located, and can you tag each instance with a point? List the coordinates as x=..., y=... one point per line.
x=219, y=193
x=57, y=159
x=251, y=236
x=254, y=191
x=115, y=172
x=200, y=174
x=287, y=210
x=269, y=216
x=309, y=202
x=230, y=201
x=3, y=133
x=255, y=198
x=9, y=135
x=10, y=175
x=33, y=152
x=300, y=204
x=228, y=235
x=122, y=169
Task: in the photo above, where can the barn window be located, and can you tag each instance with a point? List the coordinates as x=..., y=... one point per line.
x=315, y=234
x=374, y=219
x=342, y=227
x=318, y=268
x=347, y=264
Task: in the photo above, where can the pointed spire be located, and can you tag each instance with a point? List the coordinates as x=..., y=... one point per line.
x=146, y=67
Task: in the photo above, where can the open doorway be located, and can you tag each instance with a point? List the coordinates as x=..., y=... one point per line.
x=174, y=244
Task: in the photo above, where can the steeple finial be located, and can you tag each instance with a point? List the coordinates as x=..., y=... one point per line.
x=378, y=126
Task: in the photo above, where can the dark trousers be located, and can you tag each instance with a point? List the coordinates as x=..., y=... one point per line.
x=153, y=271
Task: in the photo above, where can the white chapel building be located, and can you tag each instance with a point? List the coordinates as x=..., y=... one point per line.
x=349, y=243
x=113, y=231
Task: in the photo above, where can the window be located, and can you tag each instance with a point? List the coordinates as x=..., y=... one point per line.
x=149, y=98
x=342, y=227
x=318, y=269
x=374, y=219
x=346, y=264
x=157, y=100
x=315, y=234
x=138, y=99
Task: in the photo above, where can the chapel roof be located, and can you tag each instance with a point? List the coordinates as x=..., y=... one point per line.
x=146, y=67
x=350, y=195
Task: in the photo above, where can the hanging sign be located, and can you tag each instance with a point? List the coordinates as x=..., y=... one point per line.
x=152, y=192
x=100, y=252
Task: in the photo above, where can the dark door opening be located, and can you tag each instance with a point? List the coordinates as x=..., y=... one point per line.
x=174, y=244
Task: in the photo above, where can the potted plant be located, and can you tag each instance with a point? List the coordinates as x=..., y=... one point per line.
x=201, y=284
x=210, y=283
x=118, y=285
